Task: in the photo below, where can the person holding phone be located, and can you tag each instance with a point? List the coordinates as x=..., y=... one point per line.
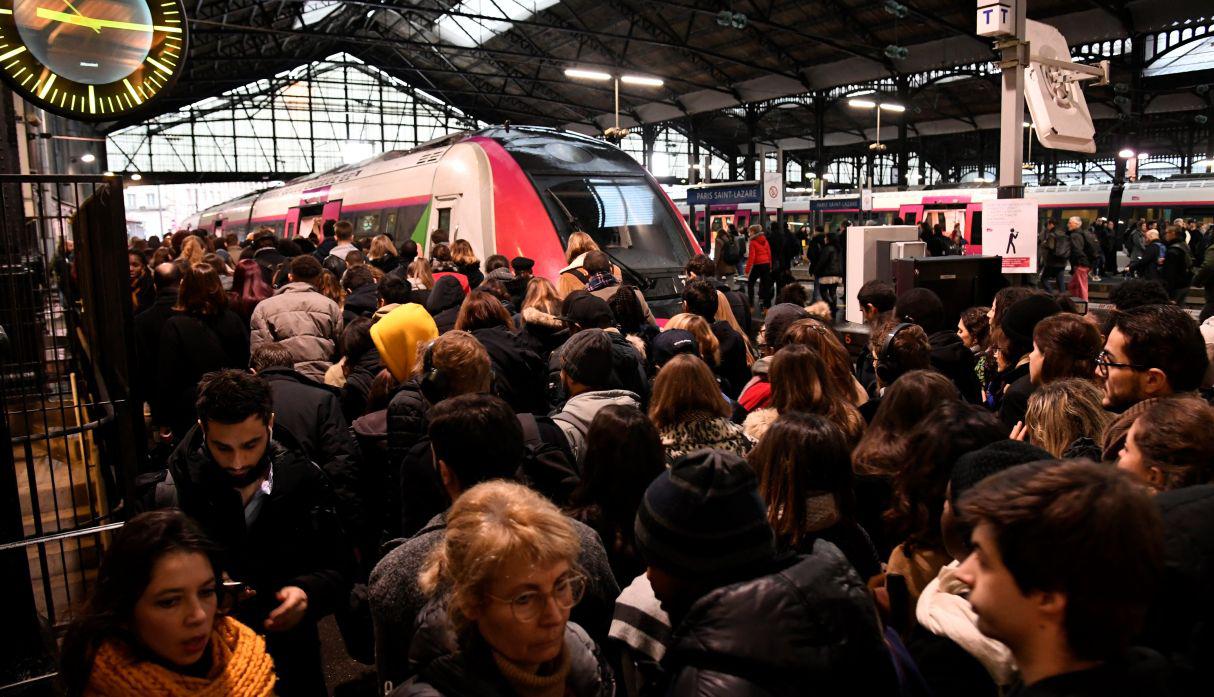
x=155, y=622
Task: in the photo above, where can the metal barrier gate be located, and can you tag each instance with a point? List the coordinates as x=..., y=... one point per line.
x=74, y=428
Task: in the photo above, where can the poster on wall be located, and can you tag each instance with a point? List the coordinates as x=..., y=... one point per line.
x=1009, y=230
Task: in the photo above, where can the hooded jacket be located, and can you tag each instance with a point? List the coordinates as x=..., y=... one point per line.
x=575, y=417
x=189, y=347
x=819, y=630
x=518, y=372
x=760, y=252
x=444, y=301
x=300, y=318
x=312, y=413
x=361, y=302
x=627, y=365
x=956, y=362
x=398, y=334
x=542, y=332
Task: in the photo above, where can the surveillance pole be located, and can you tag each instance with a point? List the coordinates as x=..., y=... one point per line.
x=1013, y=60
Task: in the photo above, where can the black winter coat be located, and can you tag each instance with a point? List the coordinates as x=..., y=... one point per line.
x=311, y=411
x=361, y=302
x=1177, y=270
x=296, y=539
x=189, y=348
x=628, y=372
x=148, y=325
x=733, y=368
x=1015, y=402
x=956, y=362
x=828, y=262
x=410, y=463
x=362, y=372
x=473, y=273
x=269, y=258
x=740, y=308
x=443, y=303
x=810, y=625
x=518, y=372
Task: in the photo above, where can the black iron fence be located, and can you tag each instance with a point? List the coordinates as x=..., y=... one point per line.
x=74, y=429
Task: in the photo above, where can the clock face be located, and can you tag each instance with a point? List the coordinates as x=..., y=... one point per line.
x=94, y=60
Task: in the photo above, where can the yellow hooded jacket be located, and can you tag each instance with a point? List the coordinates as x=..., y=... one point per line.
x=398, y=334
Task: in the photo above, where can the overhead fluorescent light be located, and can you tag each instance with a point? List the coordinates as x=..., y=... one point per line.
x=639, y=80
x=579, y=74
x=862, y=103
x=889, y=106
x=88, y=157
x=1125, y=153
x=136, y=177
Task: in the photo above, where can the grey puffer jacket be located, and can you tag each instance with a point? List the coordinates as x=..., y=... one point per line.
x=301, y=319
x=575, y=417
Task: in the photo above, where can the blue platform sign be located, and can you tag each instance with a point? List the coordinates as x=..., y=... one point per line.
x=723, y=195
x=834, y=204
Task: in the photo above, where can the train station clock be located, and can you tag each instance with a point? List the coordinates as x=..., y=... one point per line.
x=93, y=60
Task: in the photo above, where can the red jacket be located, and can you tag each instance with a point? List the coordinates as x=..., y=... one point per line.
x=760, y=252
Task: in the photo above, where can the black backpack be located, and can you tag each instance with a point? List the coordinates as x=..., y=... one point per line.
x=730, y=253
x=547, y=468
x=335, y=264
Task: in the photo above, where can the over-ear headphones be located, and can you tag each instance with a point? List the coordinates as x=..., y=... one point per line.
x=434, y=385
x=889, y=365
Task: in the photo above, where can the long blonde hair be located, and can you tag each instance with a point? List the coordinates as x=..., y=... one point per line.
x=461, y=253
x=192, y=249
x=489, y=524
x=381, y=245
x=710, y=347
x=542, y=295
x=1063, y=410
x=419, y=269
x=579, y=243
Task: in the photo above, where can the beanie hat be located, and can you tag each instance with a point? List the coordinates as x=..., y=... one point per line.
x=587, y=358
x=778, y=319
x=923, y=307
x=398, y=334
x=586, y=310
x=1023, y=316
x=979, y=464
x=704, y=518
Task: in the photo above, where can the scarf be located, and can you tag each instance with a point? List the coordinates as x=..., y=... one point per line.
x=944, y=611
x=527, y=684
x=600, y=281
x=240, y=667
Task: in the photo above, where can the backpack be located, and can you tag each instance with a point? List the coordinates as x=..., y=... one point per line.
x=579, y=273
x=1092, y=246
x=730, y=253
x=335, y=265
x=546, y=467
x=1062, y=247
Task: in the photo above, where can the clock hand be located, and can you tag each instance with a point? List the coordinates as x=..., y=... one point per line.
x=94, y=23
x=69, y=4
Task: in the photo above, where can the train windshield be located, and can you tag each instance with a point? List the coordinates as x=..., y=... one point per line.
x=626, y=217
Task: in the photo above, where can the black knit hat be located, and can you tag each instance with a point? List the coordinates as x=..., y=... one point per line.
x=703, y=518
x=522, y=264
x=979, y=464
x=587, y=358
x=586, y=310
x=779, y=318
x=1022, y=317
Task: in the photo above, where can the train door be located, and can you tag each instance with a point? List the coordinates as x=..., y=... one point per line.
x=463, y=199
x=291, y=228
x=742, y=220
x=311, y=218
x=973, y=228
x=331, y=211
x=911, y=213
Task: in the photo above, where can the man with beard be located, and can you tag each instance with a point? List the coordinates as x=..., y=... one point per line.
x=272, y=510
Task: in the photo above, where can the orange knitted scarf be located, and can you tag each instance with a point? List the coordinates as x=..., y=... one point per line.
x=240, y=667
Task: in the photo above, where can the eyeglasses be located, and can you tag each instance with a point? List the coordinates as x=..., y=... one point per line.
x=1105, y=361
x=528, y=606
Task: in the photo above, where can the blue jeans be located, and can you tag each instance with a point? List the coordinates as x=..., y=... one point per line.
x=1057, y=276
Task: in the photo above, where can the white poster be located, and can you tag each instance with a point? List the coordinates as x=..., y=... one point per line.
x=866, y=200
x=773, y=190
x=1009, y=230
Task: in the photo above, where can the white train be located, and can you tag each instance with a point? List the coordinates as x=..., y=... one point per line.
x=507, y=190
x=1186, y=199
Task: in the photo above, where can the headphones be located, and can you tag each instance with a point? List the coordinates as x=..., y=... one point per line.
x=434, y=384
x=889, y=366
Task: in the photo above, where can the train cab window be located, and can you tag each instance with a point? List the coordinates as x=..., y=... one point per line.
x=366, y=224
x=624, y=215
x=910, y=217
x=444, y=219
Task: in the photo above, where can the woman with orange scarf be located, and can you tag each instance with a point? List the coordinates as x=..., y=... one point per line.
x=152, y=625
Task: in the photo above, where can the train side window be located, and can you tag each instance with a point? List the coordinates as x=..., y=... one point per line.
x=409, y=218
x=390, y=224
x=290, y=229
x=444, y=219
x=367, y=223
x=910, y=217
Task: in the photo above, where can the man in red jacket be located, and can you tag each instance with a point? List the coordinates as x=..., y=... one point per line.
x=758, y=267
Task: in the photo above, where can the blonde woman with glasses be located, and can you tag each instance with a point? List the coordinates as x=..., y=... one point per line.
x=506, y=571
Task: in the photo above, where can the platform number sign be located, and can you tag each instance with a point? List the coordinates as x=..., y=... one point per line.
x=93, y=60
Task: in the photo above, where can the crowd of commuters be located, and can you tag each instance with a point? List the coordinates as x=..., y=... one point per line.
x=502, y=484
